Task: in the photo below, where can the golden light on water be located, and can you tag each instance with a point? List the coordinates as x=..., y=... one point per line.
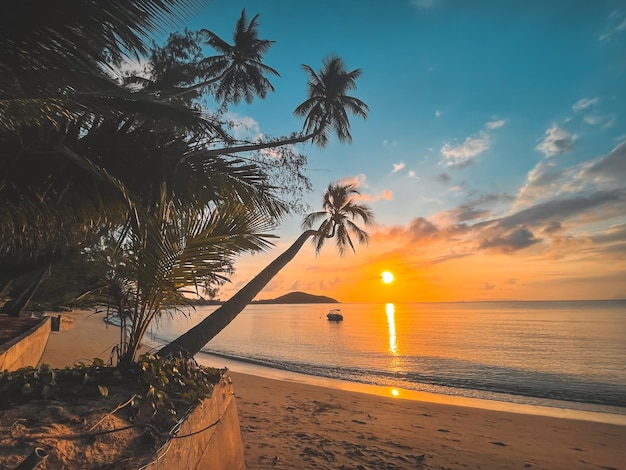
x=395, y=392
x=387, y=277
x=391, y=322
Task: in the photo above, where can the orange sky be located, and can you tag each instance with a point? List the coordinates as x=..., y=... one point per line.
x=441, y=269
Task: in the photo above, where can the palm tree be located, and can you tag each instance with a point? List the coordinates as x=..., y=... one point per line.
x=325, y=109
x=172, y=253
x=58, y=60
x=327, y=102
x=238, y=71
x=340, y=209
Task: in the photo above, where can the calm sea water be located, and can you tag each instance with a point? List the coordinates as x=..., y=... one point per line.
x=560, y=354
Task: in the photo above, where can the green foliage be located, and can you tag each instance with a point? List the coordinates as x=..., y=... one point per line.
x=159, y=389
x=134, y=183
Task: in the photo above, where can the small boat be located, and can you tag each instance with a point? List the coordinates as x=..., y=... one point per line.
x=334, y=315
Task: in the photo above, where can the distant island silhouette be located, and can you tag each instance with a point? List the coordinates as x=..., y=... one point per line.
x=298, y=298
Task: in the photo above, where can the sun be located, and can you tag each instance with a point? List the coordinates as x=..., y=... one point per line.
x=387, y=277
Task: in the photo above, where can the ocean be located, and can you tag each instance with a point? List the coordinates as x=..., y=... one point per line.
x=569, y=355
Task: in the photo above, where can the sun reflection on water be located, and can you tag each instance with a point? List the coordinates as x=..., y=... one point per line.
x=391, y=321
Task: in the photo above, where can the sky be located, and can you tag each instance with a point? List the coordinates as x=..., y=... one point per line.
x=493, y=156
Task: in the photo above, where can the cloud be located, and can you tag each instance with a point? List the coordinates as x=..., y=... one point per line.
x=421, y=228
x=556, y=141
x=461, y=155
x=614, y=234
x=515, y=240
x=621, y=26
x=495, y=124
x=488, y=286
x=244, y=127
x=438, y=113
x=359, y=181
x=385, y=195
x=584, y=103
x=411, y=174
x=612, y=167
x=564, y=208
x=398, y=166
x=470, y=210
x=553, y=227
x=443, y=178
x=596, y=119
x=547, y=180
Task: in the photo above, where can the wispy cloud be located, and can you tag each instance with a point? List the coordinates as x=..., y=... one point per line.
x=461, y=155
x=514, y=240
x=398, y=166
x=385, y=195
x=556, y=141
x=546, y=180
x=495, y=124
x=615, y=27
x=244, y=127
x=599, y=120
x=584, y=103
x=412, y=174
x=438, y=113
x=359, y=181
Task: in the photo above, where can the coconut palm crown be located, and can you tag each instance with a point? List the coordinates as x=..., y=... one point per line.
x=239, y=66
x=326, y=108
x=339, y=209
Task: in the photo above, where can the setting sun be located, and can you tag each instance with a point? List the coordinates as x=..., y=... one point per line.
x=387, y=277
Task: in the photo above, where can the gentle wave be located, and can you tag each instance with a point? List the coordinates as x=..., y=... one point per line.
x=561, y=354
x=578, y=396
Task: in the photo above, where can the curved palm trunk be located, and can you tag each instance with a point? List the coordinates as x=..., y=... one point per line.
x=194, y=339
x=251, y=147
x=15, y=306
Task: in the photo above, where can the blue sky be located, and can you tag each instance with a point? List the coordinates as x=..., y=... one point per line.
x=493, y=155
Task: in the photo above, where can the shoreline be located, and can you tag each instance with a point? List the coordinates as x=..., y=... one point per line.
x=287, y=424
x=242, y=367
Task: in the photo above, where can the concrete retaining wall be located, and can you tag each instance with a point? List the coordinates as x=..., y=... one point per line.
x=216, y=448
x=25, y=350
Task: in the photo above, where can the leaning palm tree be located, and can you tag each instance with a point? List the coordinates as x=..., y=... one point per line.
x=340, y=209
x=165, y=258
x=326, y=109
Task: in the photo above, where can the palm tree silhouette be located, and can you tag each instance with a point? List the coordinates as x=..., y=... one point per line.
x=327, y=102
x=326, y=109
x=340, y=208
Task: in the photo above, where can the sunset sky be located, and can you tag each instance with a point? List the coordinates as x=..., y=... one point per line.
x=494, y=155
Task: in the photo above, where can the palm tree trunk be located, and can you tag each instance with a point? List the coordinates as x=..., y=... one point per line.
x=15, y=306
x=251, y=147
x=194, y=340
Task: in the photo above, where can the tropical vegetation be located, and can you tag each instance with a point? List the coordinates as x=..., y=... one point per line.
x=127, y=187
x=340, y=209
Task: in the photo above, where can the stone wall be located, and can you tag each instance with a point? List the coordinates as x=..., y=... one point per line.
x=25, y=350
x=202, y=444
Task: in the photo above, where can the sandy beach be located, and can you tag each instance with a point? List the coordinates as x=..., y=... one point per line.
x=291, y=425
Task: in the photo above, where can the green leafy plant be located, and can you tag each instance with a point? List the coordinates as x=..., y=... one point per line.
x=159, y=389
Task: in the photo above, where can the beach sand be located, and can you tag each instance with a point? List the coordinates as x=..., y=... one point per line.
x=291, y=425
